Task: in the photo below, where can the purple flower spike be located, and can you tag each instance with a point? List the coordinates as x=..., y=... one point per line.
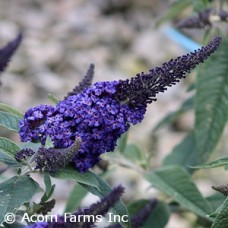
x=84, y=215
x=144, y=87
x=100, y=114
x=85, y=83
x=7, y=52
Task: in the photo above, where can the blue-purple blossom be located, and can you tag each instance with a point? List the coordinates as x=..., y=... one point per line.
x=96, y=117
x=101, y=113
x=33, y=127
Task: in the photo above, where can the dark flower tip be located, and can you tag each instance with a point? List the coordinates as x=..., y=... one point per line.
x=144, y=87
x=23, y=154
x=221, y=188
x=85, y=83
x=52, y=159
x=139, y=219
x=7, y=52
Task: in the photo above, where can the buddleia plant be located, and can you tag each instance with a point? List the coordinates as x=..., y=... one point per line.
x=66, y=141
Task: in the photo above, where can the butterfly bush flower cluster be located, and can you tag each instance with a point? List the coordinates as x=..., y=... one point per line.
x=100, y=209
x=99, y=114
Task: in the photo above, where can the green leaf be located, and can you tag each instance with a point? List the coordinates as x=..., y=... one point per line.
x=200, y=5
x=122, y=142
x=52, y=98
x=75, y=198
x=10, y=109
x=214, y=164
x=48, y=143
x=216, y=200
x=221, y=219
x=211, y=102
x=15, y=192
x=9, y=120
x=173, y=116
x=49, y=188
x=47, y=181
x=8, y=150
x=177, y=183
x=159, y=216
x=183, y=154
x=71, y=173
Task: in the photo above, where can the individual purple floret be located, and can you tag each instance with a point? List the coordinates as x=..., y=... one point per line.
x=100, y=114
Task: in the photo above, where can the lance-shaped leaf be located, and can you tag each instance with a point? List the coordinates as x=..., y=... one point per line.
x=71, y=173
x=177, y=183
x=214, y=164
x=184, y=153
x=211, y=103
x=75, y=198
